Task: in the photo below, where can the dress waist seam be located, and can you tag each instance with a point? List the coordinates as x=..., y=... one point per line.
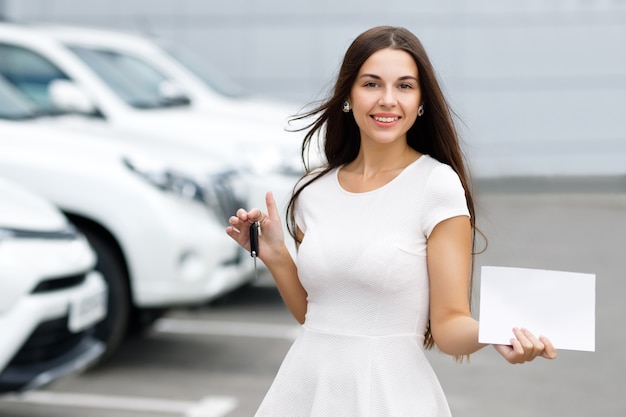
x=369, y=335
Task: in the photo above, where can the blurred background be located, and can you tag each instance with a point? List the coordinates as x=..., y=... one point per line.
x=129, y=118
x=542, y=78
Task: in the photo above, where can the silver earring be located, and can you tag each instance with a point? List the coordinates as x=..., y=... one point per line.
x=346, y=106
x=420, y=110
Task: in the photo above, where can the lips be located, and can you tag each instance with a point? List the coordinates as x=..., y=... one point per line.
x=385, y=120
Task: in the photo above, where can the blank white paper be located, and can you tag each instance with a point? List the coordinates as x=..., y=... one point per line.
x=559, y=305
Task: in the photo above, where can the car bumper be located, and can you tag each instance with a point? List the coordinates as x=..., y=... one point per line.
x=185, y=259
x=43, y=338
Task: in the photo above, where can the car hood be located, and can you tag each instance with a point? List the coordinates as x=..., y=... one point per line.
x=185, y=137
x=179, y=155
x=101, y=147
x=264, y=145
x=24, y=210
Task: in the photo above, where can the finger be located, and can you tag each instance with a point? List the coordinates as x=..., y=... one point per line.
x=549, y=351
x=255, y=215
x=242, y=215
x=272, y=209
x=524, y=337
x=505, y=350
x=232, y=231
x=538, y=346
x=237, y=227
x=518, y=349
x=234, y=223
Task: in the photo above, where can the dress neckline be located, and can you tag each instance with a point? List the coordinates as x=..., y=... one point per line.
x=382, y=187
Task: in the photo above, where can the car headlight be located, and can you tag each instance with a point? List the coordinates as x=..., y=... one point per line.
x=167, y=180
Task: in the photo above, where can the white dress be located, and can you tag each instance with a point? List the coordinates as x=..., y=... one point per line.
x=363, y=265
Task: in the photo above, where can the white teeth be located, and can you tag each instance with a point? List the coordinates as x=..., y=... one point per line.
x=385, y=119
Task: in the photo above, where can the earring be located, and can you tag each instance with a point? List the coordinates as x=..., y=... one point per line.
x=346, y=106
x=420, y=110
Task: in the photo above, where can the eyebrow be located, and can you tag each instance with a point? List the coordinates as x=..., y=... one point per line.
x=377, y=77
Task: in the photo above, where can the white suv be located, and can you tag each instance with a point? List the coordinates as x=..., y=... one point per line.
x=174, y=73
x=50, y=295
x=157, y=229
x=119, y=95
x=119, y=89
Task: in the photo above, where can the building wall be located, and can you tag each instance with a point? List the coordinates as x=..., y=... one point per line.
x=540, y=77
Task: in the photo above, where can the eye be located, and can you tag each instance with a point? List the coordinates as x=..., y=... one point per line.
x=405, y=86
x=370, y=84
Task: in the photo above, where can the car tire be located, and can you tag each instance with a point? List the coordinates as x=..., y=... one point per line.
x=112, y=330
x=142, y=319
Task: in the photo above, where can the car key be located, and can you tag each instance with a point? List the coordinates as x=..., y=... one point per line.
x=255, y=230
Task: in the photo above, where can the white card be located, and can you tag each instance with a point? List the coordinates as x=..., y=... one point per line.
x=555, y=304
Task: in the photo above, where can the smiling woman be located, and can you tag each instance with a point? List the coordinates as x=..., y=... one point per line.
x=385, y=233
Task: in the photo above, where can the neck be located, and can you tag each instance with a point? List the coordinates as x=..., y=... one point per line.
x=372, y=160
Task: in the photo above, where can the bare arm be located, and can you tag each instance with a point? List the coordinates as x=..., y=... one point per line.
x=454, y=330
x=449, y=256
x=273, y=252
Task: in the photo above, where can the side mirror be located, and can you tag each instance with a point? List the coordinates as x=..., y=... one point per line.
x=172, y=94
x=68, y=97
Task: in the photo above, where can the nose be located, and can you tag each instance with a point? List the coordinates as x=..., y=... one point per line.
x=387, y=97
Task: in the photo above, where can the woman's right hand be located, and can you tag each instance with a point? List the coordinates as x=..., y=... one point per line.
x=271, y=238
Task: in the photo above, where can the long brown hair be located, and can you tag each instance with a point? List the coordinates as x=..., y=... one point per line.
x=434, y=133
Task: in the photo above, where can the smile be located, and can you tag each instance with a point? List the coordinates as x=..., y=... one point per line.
x=386, y=119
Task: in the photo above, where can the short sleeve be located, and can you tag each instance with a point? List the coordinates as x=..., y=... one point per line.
x=444, y=198
x=300, y=205
x=299, y=215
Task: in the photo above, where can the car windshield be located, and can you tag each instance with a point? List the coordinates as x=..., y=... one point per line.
x=132, y=79
x=211, y=76
x=13, y=105
x=29, y=74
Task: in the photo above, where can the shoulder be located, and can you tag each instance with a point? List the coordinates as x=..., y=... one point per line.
x=444, y=195
x=312, y=190
x=430, y=175
x=440, y=176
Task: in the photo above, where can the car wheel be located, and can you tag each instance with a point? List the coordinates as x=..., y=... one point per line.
x=112, y=329
x=142, y=319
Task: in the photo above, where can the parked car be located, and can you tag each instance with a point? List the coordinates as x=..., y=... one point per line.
x=177, y=74
x=50, y=295
x=121, y=90
x=116, y=98
x=157, y=226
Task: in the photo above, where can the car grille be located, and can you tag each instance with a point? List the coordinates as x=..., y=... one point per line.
x=50, y=340
x=226, y=201
x=59, y=283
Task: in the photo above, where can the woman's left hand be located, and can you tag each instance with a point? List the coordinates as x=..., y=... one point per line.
x=526, y=347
